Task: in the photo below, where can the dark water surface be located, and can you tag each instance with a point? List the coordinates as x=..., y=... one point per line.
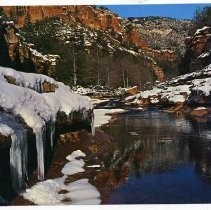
x=159, y=158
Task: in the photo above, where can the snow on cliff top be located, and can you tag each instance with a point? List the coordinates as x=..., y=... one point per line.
x=27, y=100
x=198, y=31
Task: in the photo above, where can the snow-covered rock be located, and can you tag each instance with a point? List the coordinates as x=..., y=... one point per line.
x=36, y=99
x=180, y=89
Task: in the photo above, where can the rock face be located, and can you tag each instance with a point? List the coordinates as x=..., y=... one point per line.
x=162, y=33
x=186, y=94
x=21, y=55
x=95, y=18
x=198, y=49
x=124, y=31
x=88, y=15
x=189, y=93
x=105, y=20
x=200, y=42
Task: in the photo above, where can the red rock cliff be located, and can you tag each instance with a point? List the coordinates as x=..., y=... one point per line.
x=91, y=17
x=200, y=42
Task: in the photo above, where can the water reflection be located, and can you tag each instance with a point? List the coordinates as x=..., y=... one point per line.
x=152, y=143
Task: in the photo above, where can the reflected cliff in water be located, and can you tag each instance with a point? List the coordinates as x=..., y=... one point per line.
x=158, y=158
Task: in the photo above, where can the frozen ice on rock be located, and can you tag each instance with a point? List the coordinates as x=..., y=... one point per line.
x=22, y=95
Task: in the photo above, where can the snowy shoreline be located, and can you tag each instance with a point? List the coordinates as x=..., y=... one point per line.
x=103, y=116
x=79, y=191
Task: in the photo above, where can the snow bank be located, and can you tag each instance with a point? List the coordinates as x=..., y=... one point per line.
x=25, y=98
x=75, y=155
x=35, y=107
x=27, y=80
x=98, y=101
x=101, y=118
x=50, y=191
x=73, y=167
x=83, y=91
x=179, y=89
x=62, y=100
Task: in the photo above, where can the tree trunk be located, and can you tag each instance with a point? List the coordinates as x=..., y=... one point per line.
x=74, y=69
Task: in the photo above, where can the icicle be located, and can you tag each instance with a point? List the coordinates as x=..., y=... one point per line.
x=71, y=116
x=18, y=160
x=41, y=87
x=40, y=141
x=92, y=124
x=85, y=115
x=52, y=134
x=37, y=87
x=25, y=154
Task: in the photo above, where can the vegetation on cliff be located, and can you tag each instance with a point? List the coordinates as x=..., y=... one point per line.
x=97, y=57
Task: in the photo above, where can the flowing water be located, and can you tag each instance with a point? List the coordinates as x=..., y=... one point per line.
x=159, y=158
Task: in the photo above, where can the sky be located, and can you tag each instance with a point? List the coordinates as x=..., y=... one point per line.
x=179, y=11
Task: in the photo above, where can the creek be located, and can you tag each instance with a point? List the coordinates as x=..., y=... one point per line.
x=159, y=158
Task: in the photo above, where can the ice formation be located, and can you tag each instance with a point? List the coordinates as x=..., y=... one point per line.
x=10, y=126
x=77, y=192
x=25, y=97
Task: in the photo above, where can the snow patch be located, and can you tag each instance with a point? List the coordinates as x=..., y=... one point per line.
x=78, y=192
x=198, y=31
x=73, y=167
x=200, y=108
x=133, y=133
x=204, y=55
x=75, y=155
x=93, y=166
x=101, y=118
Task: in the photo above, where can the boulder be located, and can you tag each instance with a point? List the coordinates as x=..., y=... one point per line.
x=199, y=112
